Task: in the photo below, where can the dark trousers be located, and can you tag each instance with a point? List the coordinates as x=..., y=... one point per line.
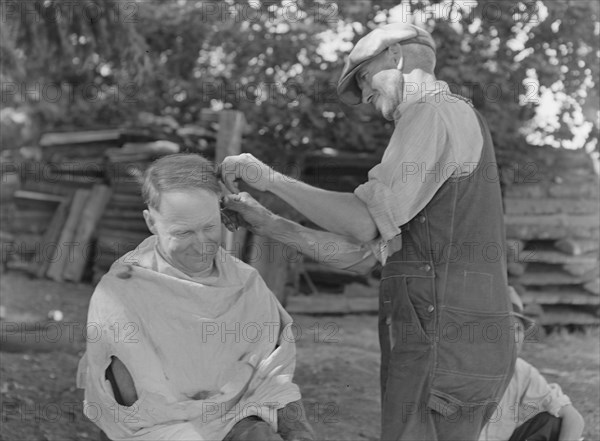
x=542, y=427
x=409, y=412
x=252, y=428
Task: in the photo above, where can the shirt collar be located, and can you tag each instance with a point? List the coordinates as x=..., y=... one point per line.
x=411, y=96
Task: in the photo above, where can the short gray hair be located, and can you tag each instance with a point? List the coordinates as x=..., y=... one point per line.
x=418, y=56
x=182, y=171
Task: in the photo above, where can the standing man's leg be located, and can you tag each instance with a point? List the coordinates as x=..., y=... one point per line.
x=406, y=357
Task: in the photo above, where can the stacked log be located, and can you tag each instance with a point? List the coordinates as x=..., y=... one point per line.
x=553, y=231
x=63, y=194
x=122, y=227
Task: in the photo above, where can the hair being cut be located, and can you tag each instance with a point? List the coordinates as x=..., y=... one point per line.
x=182, y=171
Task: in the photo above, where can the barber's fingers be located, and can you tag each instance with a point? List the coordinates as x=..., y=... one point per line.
x=239, y=201
x=227, y=171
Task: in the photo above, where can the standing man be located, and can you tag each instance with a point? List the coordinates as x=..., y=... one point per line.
x=431, y=212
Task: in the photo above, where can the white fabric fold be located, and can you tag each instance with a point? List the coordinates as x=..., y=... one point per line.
x=203, y=354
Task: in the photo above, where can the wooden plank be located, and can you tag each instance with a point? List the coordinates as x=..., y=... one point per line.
x=555, y=220
x=567, y=316
x=576, y=247
x=554, y=277
x=23, y=217
x=88, y=221
x=557, y=257
x=125, y=224
x=593, y=286
x=269, y=258
x=229, y=138
x=126, y=200
x=39, y=197
x=331, y=304
x=588, y=189
x=516, y=268
x=122, y=213
x=229, y=142
x=81, y=137
x=65, y=242
x=51, y=236
x=565, y=295
x=550, y=206
x=558, y=226
x=44, y=186
x=541, y=190
x=580, y=269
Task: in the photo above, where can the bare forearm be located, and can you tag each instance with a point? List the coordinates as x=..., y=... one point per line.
x=572, y=424
x=322, y=246
x=338, y=212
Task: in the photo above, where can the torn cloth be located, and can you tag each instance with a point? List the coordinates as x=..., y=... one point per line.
x=203, y=354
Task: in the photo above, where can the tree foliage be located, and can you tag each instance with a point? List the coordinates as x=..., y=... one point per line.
x=279, y=61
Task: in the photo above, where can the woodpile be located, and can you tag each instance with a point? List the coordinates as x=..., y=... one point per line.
x=553, y=231
x=77, y=207
x=63, y=193
x=122, y=227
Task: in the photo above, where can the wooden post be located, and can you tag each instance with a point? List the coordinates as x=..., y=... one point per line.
x=229, y=142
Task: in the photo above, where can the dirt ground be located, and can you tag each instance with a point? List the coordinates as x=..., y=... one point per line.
x=337, y=369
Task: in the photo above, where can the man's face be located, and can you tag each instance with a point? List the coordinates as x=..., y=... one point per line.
x=381, y=84
x=188, y=226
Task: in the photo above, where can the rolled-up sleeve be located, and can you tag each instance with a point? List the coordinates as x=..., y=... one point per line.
x=411, y=170
x=539, y=396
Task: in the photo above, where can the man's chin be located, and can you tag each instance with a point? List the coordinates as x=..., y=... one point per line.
x=197, y=265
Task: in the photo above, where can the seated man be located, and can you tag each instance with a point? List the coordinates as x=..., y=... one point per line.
x=186, y=342
x=532, y=409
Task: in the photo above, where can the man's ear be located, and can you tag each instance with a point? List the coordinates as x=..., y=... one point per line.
x=395, y=54
x=150, y=222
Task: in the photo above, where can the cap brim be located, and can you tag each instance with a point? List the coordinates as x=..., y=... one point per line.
x=347, y=88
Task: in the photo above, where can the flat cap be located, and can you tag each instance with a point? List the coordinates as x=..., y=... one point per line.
x=371, y=45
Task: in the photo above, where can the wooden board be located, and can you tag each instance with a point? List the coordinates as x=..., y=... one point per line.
x=88, y=136
x=229, y=142
x=269, y=258
x=37, y=199
x=593, y=286
x=88, y=221
x=129, y=201
x=567, y=316
x=51, y=236
x=557, y=257
x=565, y=295
x=332, y=304
x=125, y=224
x=541, y=190
x=552, y=278
x=576, y=247
x=530, y=206
x=557, y=226
x=66, y=249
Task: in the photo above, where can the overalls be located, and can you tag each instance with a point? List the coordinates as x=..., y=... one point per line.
x=445, y=326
